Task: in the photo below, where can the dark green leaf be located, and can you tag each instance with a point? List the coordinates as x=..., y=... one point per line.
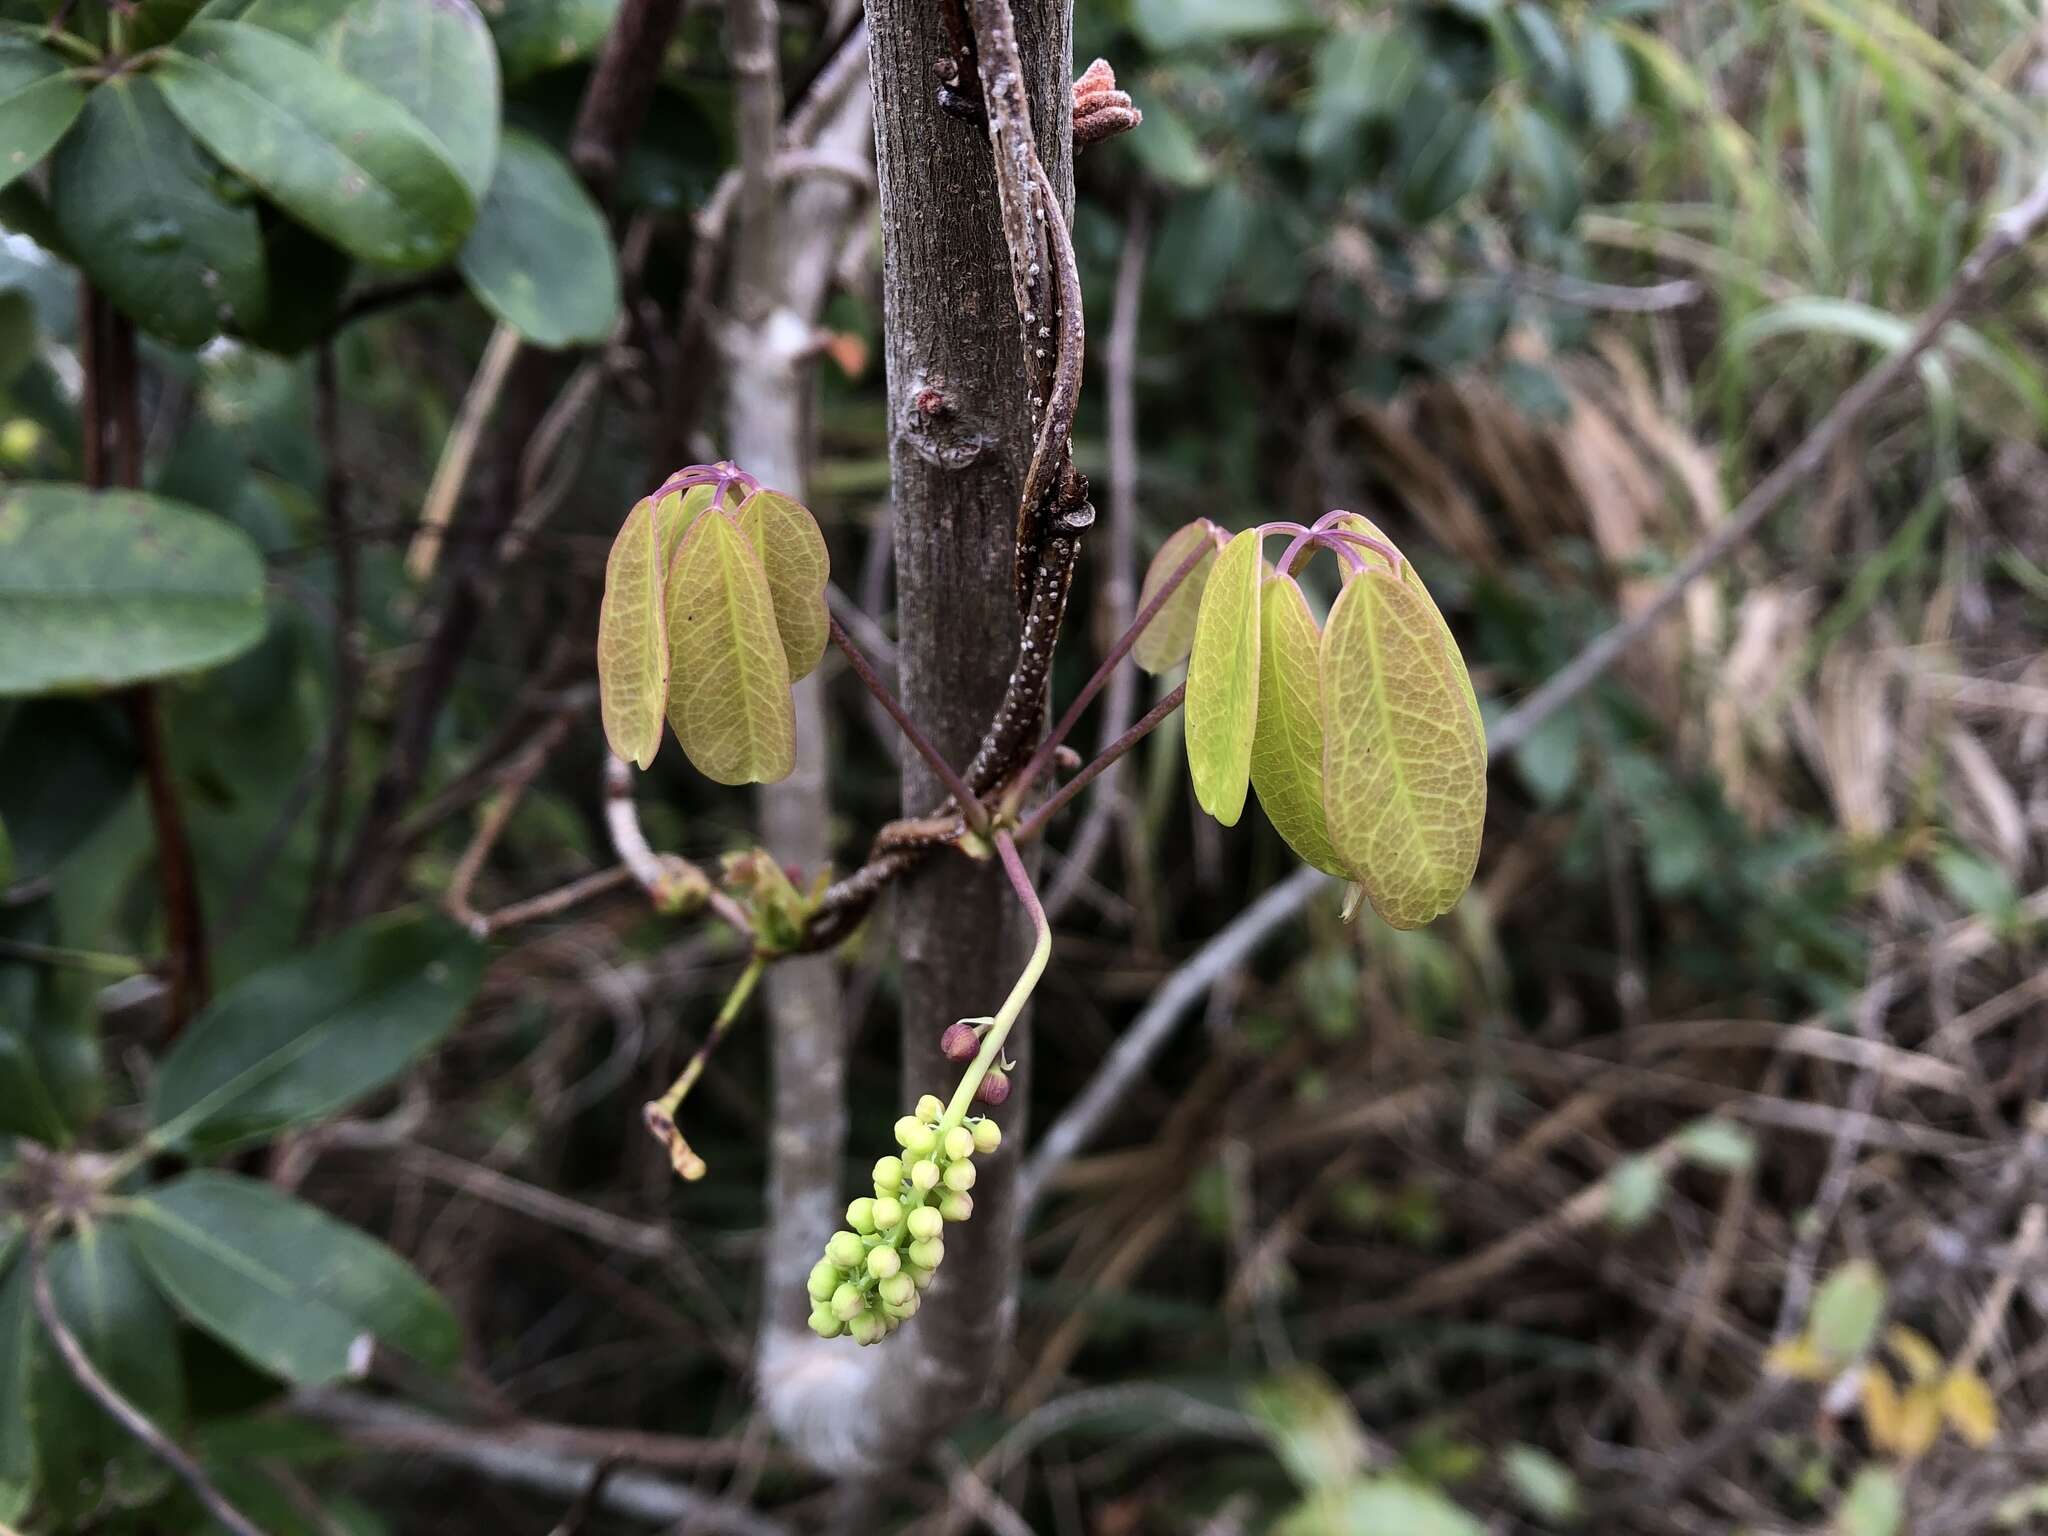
x=102, y=589
x=537, y=35
x=38, y=102
x=139, y=202
x=128, y=1331
x=540, y=257
x=17, y=1335
x=310, y=1034
x=1548, y=162
x=1166, y=25
x=1445, y=150
x=80, y=768
x=1169, y=149
x=307, y=278
x=433, y=57
x=1604, y=76
x=283, y=1284
x=1362, y=74
x=154, y=22
x=343, y=158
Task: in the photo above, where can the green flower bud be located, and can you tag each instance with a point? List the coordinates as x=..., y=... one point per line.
x=846, y=1250
x=899, y=1313
x=888, y=1175
x=987, y=1135
x=824, y=1280
x=868, y=1328
x=926, y=1254
x=825, y=1325
x=907, y=1131
x=929, y=1108
x=848, y=1303
x=956, y=1205
x=924, y=1143
x=921, y=1278
x=924, y=1176
x=896, y=1290
x=861, y=1215
x=960, y=1176
x=926, y=1224
x=888, y=1212
x=959, y=1144
x=884, y=1262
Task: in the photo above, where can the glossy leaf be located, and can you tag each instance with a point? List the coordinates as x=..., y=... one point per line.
x=126, y=1328
x=793, y=553
x=1223, y=680
x=154, y=22
x=435, y=58
x=1287, y=742
x=344, y=159
x=728, y=679
x=138, y=201
x=537, y=35
x=1404, y=758
x=283, y=1284
x=102, y=589
x=632, y=639
x=17, y=1350
x=310, y=1034
x=1164, y=643
x=39, y=101
x=540, y=257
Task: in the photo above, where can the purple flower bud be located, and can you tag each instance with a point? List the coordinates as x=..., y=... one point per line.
x=959, y=1042
x=995, y=1087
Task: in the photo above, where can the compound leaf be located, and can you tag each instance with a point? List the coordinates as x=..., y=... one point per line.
x=792, y=551
x=1163, y=644
x=1223, y=680
x=1287, y=743
x=1404, y=759
x=728, y=679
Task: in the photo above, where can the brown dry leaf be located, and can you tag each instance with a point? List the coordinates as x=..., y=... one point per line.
x=1415, y=472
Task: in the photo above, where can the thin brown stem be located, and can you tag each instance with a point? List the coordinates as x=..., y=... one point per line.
x=117, y=1407
x=970, y=804
x=1035, y=823
x=1036, y=765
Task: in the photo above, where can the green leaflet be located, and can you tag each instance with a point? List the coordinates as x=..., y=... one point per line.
x=632, y=642
x=540, y=257
x=99, y=589
x=281, y=1283
x=792, y=551
x=1404, y=759
x=728, y=679
x=1163, y=644
x=1287, y=743
x=38, y=101
x=334, y=153
x=17, y=1351
x=1357, y=524
x=1223, y=680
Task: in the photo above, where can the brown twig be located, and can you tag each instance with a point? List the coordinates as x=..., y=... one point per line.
x=116, y=1406
x=1034, y=824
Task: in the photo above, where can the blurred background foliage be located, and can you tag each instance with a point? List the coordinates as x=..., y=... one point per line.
x=1504, y=1216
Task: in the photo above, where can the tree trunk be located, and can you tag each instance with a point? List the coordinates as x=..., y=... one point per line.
x=960, y=437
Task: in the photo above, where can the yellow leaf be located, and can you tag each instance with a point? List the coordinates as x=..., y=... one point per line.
x=1404, y=759
x=632, y=647
x=1223, y=681
x=1967, y=1403
x=1163, y=644
x=1919, y=1422
x=1920, y=1358
x=1287, y=741
x=792, y=551
x=1881, y=1408
x=1798, y=1359
x=728, y=681
x=1356, y=524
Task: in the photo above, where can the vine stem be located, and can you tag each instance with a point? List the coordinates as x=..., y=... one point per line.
x=1020, y=994
x=1036, y=822
x=1028, y=774
x=971, y=808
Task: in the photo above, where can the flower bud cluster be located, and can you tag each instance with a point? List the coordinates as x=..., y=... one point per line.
x=876, y=1269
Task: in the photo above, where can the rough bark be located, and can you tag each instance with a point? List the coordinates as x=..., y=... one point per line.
x=961, y=437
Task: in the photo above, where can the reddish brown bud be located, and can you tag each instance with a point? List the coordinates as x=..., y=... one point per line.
x=959, y=1042
x=995, y=1087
